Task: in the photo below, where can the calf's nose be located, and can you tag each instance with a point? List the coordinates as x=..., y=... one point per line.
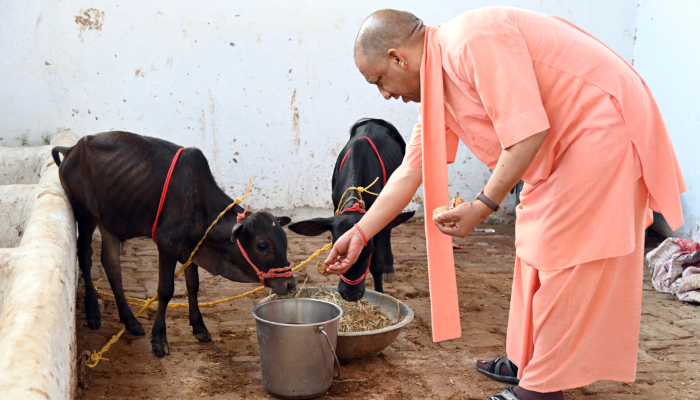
x=352, y=294
x=291, y=286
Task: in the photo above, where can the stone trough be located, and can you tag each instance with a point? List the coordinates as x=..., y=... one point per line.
x=38, y=275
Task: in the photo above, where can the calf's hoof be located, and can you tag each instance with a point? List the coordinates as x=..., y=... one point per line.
x=160, y=350
x=203, y=336
x=135, y=328
x=94, y=323
x=388, y=278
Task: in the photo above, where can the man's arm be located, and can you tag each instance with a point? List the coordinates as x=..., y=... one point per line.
x=511, y=167
x=512, y=164
x=391, y=201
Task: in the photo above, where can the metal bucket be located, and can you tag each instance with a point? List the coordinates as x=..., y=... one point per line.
x=297, y=339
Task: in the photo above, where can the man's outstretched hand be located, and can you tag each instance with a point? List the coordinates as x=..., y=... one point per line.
x=344, y=253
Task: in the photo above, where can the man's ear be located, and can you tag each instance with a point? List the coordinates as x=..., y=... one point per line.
x=236, y=231
x=312, y=227
x=397, y=59
x=283, y=220
x=400, y=219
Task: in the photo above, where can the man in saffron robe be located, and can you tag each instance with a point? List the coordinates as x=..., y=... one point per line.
x=534, y=98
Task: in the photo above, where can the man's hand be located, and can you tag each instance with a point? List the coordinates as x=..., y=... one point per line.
x=394, y=197
x=466, y=217
x=345, y=252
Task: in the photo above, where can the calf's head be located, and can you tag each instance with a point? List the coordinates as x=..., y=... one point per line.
x=338, y=225
x=263, y=241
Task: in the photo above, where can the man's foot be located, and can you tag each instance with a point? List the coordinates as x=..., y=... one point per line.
x=524, y=394
x=518, y=393
x=500, y=369
x=505, y=395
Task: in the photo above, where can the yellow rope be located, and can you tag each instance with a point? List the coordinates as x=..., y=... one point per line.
x=140, y=302
x=97, y=355
x=359, y=190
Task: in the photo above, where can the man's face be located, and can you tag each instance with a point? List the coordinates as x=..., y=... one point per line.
x=391, y=78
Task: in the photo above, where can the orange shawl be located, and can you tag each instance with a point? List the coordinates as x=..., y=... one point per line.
x=444, y=301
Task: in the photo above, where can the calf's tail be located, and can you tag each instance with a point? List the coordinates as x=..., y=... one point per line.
x=60, y=149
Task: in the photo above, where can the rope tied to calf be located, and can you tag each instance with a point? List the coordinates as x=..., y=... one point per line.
x=357, y=207
x=359, y=190
x=165, y=191
x=134, y=301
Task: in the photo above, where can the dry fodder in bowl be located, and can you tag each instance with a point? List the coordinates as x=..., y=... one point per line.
x=358, y=316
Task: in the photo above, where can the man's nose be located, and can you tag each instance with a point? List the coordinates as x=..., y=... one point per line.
x=385, y=94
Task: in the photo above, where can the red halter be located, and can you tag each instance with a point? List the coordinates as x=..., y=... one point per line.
x=375, y=152
x=165, y=192
x=285, y=272
x=241, y=216
x=356, y=208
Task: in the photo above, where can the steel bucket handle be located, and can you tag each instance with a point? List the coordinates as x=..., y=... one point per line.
x=335, y=357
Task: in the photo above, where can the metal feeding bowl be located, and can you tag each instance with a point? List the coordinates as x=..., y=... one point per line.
x=367, y=343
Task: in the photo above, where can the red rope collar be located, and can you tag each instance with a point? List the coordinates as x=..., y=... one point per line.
x=240, y=217
x=285, y=272
x=358, y=280
x=165, y=192
x=381, y=162
x=343, y=162
x=355, y=208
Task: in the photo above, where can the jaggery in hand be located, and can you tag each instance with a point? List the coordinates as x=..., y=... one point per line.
x=321, y=268
x=455, y=202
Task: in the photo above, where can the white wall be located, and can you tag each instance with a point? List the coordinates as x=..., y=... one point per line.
x=666, y=55
x=266, y=89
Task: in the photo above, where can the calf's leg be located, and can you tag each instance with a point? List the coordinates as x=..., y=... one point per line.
x=383, y=271
x=166, y=287
x=199, y=330
x=111, y=249
x=86, y=227
x=376, y=268
x=388, y=259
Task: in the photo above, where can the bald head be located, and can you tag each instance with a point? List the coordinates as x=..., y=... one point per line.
x=384, y=30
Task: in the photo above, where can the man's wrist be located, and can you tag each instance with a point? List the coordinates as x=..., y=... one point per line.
x=362, y=227
x=361, y=232
x=483, y=210
x=488, y=201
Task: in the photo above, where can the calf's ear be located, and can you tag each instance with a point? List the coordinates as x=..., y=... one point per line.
x=236, y=231
x=400, y=219
x=312, y=227
x=283, y=220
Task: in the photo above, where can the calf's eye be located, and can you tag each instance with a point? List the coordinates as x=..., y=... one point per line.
x=262, y=246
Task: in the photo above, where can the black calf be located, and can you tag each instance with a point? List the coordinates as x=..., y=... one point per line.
x=114, y=181
x=358, y=165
